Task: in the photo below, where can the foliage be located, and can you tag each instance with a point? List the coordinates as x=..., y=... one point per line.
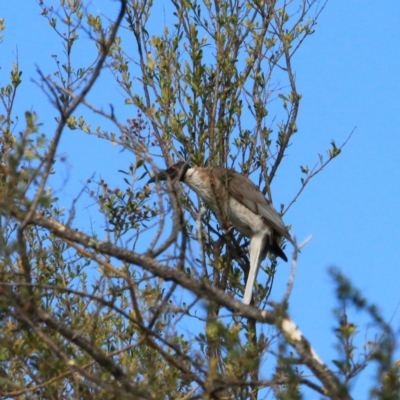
x=149, y=307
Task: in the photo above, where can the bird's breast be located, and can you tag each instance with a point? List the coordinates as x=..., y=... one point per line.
x=201, y=185
x=244, y=220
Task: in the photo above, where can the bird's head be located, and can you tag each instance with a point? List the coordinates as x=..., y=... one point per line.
x=175, y=171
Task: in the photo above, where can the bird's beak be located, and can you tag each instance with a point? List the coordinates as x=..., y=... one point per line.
x=156, y=178
x=161, y=176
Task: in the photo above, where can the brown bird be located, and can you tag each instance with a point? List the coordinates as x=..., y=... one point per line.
x=242, y=204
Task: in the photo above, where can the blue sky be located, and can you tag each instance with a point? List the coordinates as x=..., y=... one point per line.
x=349, y=75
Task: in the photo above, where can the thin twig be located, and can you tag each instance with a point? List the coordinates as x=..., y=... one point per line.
x=316, y=171
x=294, y=267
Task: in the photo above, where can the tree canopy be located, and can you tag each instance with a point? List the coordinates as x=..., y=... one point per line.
x=149, y=306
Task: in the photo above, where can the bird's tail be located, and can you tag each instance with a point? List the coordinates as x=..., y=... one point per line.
x=257, y=254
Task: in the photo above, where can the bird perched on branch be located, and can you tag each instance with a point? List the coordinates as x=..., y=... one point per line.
x=236, y=198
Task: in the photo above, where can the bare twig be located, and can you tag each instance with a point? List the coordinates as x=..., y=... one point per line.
x=315, y=171
x=294, y=266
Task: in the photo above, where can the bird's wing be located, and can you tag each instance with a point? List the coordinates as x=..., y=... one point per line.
x=248, y=194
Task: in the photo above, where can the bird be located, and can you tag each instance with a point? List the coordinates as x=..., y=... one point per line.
x=235, y=197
